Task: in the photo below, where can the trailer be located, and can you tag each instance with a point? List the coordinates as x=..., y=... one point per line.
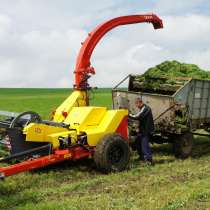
x=180, y=107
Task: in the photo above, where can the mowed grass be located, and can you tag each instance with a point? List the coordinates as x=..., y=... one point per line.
x=170, y=184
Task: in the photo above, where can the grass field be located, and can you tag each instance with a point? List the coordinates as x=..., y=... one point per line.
x=170, y=184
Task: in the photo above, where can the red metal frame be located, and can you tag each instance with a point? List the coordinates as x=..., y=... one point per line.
x=83, y=64
x=123, y=128
x=58, y=156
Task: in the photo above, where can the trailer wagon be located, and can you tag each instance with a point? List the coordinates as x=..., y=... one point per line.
x=180, y=106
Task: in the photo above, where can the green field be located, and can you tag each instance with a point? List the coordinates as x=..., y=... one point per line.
x=44, y=101
x=170, y=184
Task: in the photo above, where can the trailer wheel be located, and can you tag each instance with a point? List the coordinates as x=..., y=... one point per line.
x=183, y=145
x=112, y=153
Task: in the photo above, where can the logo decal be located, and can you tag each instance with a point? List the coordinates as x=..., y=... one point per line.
x=38, y=130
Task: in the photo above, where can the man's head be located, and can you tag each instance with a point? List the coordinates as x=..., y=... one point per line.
x=138, y=102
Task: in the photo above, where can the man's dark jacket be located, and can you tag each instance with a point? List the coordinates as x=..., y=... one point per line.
x=146, y=123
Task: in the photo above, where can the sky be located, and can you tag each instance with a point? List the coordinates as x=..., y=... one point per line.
x=40, y=39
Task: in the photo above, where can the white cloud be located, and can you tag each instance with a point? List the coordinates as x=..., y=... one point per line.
x=185, y=29
x=146, y=55
x=5, y=23
x=38, y=58
x=39, y=40
x=180, y=6
x=201, y=58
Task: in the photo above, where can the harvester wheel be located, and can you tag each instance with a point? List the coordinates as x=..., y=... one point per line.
x=183, y=145
x=29, y=116
x=112, y=153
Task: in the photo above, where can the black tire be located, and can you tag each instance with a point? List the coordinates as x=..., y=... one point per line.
x=112, y=153
x=183, y=145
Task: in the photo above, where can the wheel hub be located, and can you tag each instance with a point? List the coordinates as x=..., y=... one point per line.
x=115, y=155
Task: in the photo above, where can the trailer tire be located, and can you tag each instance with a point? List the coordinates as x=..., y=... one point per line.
x=183, y=145
x=112, y=153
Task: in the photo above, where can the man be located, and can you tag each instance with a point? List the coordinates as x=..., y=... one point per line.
x=146, y=129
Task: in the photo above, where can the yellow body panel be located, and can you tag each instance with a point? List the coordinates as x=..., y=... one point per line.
x=109, y=124
x=94, y=121
x=76, y=99
x=83, y=117
x=46, y=133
